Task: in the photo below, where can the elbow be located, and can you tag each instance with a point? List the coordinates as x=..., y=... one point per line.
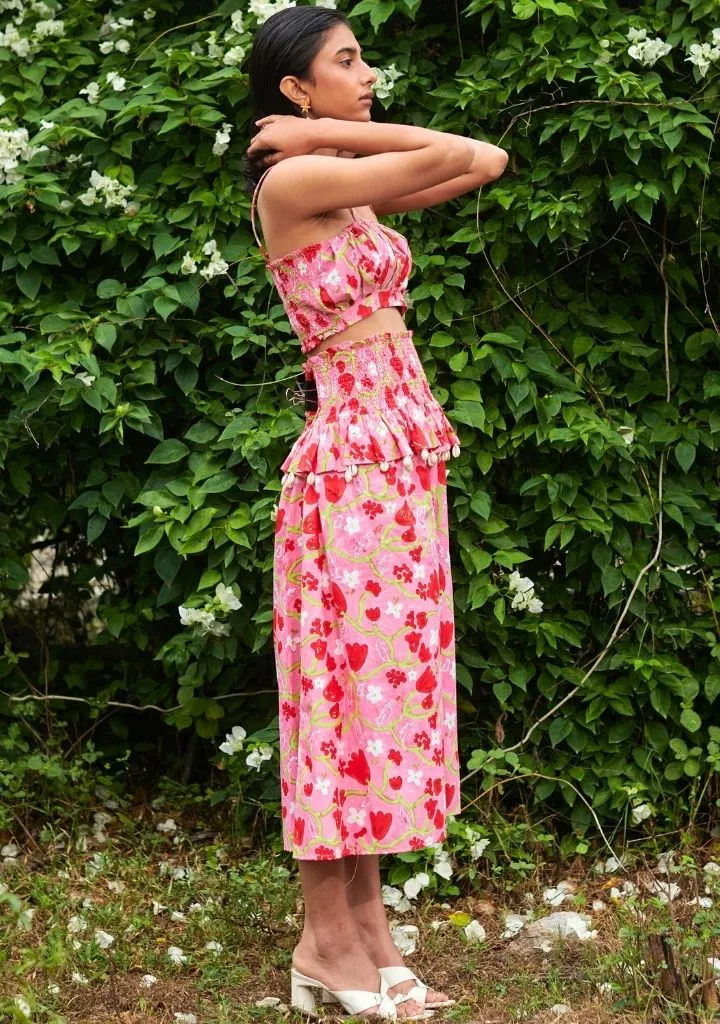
x=458, y=157
x=494, y=166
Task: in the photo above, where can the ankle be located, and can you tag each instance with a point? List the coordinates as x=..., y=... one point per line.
x=325, y=946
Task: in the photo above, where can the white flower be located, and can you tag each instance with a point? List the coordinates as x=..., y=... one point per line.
x=15, y=42
x=122, y=46
x=51, y=27
x=393, y=608
x=169, y=825
x=234, y=56
x=76, y=925
x=23, y=1006
x=236, y=21
x=386, y=78
x=513, y=924
x=109, y=190
x=228, y=601
x=352, y=524
x=375, y=747
x=256, y=757
x=627, y=434
x=214, y=51
x=640, y=812
x=443, y=863
x=214, y=947
x=217, y=264
x=637, y=35
x=92, y=91
x=351, y=578
x=188, y=265
x=149, y=13
x=107, y=47
x=478, y=849
x=392, y=897
x=79, y=978
x=323, y=784
x=332, y=4
x=474, y=932
x=103, y=939
x=222, y=139
x=185, y=1018
x=47, y=125
x=519, y=584
x=702, y=55
x=176, y=955
x=233, y=740
x=148, y=980
x=649, y=51
x=15, y=148
x=114, y=79
x=85, y=378
x=416, y=884
x=263, y=9
x=405, y=937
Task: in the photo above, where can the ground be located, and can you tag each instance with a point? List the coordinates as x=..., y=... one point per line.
x=109, y=909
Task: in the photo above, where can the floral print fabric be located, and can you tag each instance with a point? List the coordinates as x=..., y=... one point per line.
x=363, y=621
x=329, y=285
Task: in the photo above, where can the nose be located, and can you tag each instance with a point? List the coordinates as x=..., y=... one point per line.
x=370, y=76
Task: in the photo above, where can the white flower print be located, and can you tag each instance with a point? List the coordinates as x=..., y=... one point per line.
x=381, y=430
x=418, y=415
x=393, y=608
x=449, y=721
x=419, y=572
x=391, y=507
x=355, y=817
x=401, y=401
x=302, y=267
x=333, y=278
x=323, y=784
x=319, y=683
x=433, y=638
x=355, y=432
x=375, y=747
x=435, y=738
x=351, y=578
x=374, y=694
x=352, y=524
x=414, y=778
x=372, y=368
x=412, y=675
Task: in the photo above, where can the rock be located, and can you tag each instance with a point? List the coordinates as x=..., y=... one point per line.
x=559, y=1009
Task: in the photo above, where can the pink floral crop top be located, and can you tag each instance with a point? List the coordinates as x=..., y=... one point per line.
x=329, y=285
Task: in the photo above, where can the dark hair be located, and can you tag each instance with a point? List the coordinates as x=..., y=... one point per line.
x=286, y=44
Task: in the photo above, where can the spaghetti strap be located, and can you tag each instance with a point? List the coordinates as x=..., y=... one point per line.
x=261, y=247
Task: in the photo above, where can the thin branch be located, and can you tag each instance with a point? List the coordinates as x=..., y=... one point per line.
x=120, y=704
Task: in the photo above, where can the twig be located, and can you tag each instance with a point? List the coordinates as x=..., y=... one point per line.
x=121, y=704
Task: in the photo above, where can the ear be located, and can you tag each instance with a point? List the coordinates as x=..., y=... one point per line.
x=292, y=90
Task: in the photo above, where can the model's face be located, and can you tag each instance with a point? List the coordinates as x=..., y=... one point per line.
x=342, y=80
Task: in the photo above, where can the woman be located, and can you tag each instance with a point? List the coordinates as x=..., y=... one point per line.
x=363, y=614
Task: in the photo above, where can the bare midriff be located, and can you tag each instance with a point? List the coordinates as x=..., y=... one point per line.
x=379, y=322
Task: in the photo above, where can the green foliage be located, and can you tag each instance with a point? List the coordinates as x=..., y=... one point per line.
x=564, y=317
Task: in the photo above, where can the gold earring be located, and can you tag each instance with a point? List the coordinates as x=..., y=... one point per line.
x=305, y=106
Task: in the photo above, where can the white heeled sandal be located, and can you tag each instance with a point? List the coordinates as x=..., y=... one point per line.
x=354, y=1001
x=393, y=976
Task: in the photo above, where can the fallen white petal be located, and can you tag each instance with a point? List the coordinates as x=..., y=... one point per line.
x=148, y=980
x=474, y=932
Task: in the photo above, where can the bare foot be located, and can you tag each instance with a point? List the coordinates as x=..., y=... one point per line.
x=347, y=968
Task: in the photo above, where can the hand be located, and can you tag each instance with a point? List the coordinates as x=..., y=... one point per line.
x=285, y=134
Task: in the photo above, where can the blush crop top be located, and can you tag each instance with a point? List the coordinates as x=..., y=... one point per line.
x=327, y=286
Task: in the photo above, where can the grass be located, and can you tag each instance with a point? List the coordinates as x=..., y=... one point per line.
x=236, y=916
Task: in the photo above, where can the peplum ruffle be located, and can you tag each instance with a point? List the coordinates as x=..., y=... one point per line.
x=374, y=406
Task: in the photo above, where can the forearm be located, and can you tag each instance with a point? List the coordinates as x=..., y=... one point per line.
x=371, y=137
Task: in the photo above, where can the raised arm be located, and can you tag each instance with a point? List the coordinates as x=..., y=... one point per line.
x=396, y=160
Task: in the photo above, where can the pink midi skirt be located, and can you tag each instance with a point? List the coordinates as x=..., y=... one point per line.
x=363, y=623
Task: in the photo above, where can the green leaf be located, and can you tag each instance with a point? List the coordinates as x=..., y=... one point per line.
x=690, y=720
x=560, y=729
x=685, y=454
x=150, y=536
x=29, y=281
x=106, y=335
x=108, y=288
x=168, y=451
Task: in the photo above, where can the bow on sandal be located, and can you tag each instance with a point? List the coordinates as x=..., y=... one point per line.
x=393, y=976
x=354, y=1001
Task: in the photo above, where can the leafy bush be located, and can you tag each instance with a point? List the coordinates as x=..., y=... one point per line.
x=565, y=319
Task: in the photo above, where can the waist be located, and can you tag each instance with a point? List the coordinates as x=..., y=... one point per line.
x=380, y=368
